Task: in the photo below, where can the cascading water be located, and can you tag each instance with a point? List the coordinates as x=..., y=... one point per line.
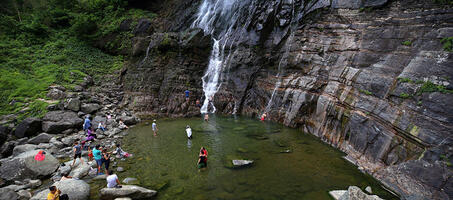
x=217, y=18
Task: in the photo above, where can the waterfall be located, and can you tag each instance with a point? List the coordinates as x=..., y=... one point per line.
x=218, y=18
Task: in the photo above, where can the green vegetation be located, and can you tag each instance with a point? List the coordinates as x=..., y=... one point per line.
x=367, y=9
x=405, y=80
x=365, y=92
x=405, y=95
x=431, y=87
x=450, y=2
x=406, y=43
x=447, y=43
x=51, y=42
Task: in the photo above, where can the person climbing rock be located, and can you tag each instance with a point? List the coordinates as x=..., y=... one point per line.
x=202, y=158
x=112, y=180
x=77, y=149
x=87, y=124
x=189, y=132
x=197, y=103
x=155, y=129
x=55, y=194
x=98, y=157
x=187, y=92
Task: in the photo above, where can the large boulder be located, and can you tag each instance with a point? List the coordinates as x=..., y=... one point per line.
x=25, y=166
x=56, y=93
x=129, y=120
x=41, y=138
x=132, y=191
x=58, y=121
x=29, y=127
x=75, y=189
x=90, y=108
x=7, y=149
x=97, y=120
x=23, y=148
x=74, y=104
x=6, y=193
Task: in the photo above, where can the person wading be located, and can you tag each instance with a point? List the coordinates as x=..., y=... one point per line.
x=155, y=129
x=189, y=132
x=202, y=158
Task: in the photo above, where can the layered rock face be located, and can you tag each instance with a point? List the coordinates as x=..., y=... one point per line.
x=368, y=77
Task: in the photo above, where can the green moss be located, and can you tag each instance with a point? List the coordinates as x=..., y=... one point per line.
x=450, y=2
x=405, y=80
x=405, y=95
x=365, y=92
x=447, y=43
x=406, y=43
x=428, y=87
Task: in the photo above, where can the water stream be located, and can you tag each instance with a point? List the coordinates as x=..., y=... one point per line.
x=288, y=164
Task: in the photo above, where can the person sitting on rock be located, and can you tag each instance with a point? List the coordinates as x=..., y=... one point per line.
x=120, y=152
x=65, y=177
x=122, y=125
x=112, y=180
x=100, y=126
x=55, y=194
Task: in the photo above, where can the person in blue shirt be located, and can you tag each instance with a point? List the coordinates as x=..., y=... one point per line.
x=187, y=92
x=87, y=124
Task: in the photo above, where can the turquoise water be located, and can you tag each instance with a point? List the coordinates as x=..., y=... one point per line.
x=288, y=164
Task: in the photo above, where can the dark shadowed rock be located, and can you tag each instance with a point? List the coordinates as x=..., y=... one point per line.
x=90, y=108
x=29, y=127
x=129, y=120
x=41, y=138
x=25, y=166
x=75, y=189
x=58, y=121
x=4, y=131
x=7, y=149
x=143, y=27
x=132, y=191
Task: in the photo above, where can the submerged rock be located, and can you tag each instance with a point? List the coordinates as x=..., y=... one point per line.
x=130, y=180
x=131, y=191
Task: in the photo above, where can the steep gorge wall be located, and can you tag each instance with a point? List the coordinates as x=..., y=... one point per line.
x=345, y=74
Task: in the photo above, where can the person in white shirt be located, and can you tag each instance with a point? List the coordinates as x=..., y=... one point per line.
x=189, y=132
x=112, y=180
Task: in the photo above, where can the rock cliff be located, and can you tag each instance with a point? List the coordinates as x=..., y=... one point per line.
x=369, y=77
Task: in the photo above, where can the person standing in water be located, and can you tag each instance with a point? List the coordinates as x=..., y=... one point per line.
x=189, y=132
x=202, y=158
x=155, y=129
x=206, y=117
x=264, y=116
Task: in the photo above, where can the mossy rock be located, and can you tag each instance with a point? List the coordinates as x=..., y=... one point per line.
x=225, y=195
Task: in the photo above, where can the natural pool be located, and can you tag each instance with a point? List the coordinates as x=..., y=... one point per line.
x=167, y=163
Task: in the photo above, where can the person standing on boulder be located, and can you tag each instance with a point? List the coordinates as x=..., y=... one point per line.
x=87, y=123
x=55, y=194
x=155, y=129
x=98, y=157
x=106, y=159
x=77, y=153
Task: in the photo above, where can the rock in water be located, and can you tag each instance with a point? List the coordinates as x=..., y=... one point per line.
x=131, y=191
x=355, y=193
x=336, y=194
x=75, y=189
x=29, y=127
x=369, y=190
x=130, y=180
x=242, y=163
x=25, y=166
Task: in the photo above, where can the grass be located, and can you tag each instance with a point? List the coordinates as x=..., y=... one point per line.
x=405, y=80
x=447, y=43
x=52, y=43
x=428, y=87
x=365, y=92
x=406, y=43
x=405, y=95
